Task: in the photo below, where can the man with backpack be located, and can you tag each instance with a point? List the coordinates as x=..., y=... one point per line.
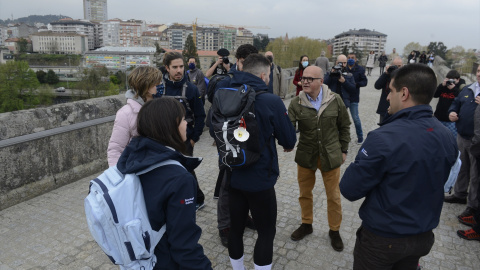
x=176, y=84
x=251, y=187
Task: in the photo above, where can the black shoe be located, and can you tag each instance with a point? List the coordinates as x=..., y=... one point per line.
x=250, y=223
x=336, y=240
x=224, y=236
x=301, y=232
x=454, y=199
x=468, y=212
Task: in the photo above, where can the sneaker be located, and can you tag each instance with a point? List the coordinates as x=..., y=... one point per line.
x=224, y=236
x=455, y=199
x=469, y=221
x=469, y=235
x=199, y=206
x=336, y=240
x=468, y=212
x=301, y=232
x=360, y=141
x=250, y=223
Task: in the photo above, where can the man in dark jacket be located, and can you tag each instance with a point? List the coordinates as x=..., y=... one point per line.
x=382, y=84
x=461, y=112
x=175, y=84
x=361, y=80
x=324, y=128
x=196, y=77
x=341, y=82
x=252, y=188
x=401, y=170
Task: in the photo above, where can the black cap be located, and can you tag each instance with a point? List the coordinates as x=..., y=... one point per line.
x=223, y=52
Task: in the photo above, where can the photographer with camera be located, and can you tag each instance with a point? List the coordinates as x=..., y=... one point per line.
x=446, y=93
x=340, y=81
x=221, y=66
x=382, y=84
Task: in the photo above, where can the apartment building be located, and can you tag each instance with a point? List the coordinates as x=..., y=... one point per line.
x=95, y=10
x=120, y=58
x=365, y=40
x=59, y=43
x=79, y=27
x=149, y=38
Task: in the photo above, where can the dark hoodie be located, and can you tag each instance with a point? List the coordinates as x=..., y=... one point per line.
x=195, y=129
x=273, y=123
x=169, y=193
x=401, y=169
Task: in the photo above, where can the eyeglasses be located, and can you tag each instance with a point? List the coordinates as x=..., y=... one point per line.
x=309, y=79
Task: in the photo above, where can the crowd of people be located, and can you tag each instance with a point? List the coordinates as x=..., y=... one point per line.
x=400, y=170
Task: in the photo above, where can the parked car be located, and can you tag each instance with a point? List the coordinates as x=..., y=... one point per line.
x=60, y=89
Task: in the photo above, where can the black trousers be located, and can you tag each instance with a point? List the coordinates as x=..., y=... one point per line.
x=200, y=195
x=374, y=252
x=263, y=206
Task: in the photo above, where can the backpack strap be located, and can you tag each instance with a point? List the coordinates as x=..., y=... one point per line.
x=163, y=163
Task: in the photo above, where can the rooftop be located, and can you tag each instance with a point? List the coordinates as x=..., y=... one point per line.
x=360, y=32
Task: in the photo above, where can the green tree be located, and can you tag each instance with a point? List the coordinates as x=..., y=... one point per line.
x=261, y=43
x=190, y=50
x=345, y=50
x=51, y=77
x=438, y=48
x=92, y=84
x=17, y=80
x=22, y=45
x=41, y=76
x=287, y=55
x=358, y=53
x=413, y=46
x=45, y=95
x=122, y=78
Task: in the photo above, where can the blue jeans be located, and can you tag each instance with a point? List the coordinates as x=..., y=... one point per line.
x=356, y=119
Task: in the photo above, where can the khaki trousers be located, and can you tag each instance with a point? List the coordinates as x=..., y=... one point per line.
x=331, y=180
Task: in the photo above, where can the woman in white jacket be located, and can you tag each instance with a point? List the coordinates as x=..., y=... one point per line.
x=143, y=81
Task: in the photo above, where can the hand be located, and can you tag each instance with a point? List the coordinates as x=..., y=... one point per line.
x=192, y=142
x=299, y=83
x=226, y=66
x=451, y=86
x=341, y=79
x=444, y=83
x=219, y=61
x=344, y=156
x=287, y=150
x=453, y=115
x=477, y=99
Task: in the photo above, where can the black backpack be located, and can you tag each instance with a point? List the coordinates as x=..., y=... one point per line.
x=212, y=84
x=235, y=126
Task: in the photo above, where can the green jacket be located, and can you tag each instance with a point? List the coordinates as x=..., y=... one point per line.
x=323, y=134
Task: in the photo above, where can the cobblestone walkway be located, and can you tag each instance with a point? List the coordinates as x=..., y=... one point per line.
x=50, y=231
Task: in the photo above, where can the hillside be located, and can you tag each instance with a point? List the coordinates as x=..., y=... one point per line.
x=32, y=19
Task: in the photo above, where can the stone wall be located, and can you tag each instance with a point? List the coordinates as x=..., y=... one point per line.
x=35, y=166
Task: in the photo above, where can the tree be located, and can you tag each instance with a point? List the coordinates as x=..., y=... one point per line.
x=16, y=81
x=358, y=53
x=261, y=43
x=51, y=77
x=41, y=76
x=92, y=83
x=287, y=55
x=190, y=50
x=438, y=48
x=22, y=45
x=345, y=50
x=413, y=46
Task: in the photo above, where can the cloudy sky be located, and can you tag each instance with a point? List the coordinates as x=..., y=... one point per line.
x=455, y=22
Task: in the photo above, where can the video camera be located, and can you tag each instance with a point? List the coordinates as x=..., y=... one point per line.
x=450, y=81
x=338, y=70
x=391, y=69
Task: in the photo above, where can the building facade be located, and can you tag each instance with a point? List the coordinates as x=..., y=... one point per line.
x=365, y=40
x=120, y=58
x=130, y=33
x=80, y=27
x=59, y=43
x=109, y=34
x=95, y=10
x=149, y=38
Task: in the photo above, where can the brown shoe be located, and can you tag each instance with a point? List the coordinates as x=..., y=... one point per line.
x=301, y=232
x=336, y=240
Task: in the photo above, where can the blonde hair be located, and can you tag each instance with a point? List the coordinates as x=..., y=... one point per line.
x=143, y=78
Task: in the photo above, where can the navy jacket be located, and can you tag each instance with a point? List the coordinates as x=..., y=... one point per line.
x=195, y=129
x=273, y=123
x=382, y=84
x=361, y=80
x=170, y=197
x=347, y=88
x=401, y=169
x=464, y=105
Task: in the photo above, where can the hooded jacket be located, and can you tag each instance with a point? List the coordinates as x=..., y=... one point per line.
x=170, y=198
x=324, y=134
x=401, y=169
x=124, y=127
x=273, y=123
x=172, y=88
x=464, y=105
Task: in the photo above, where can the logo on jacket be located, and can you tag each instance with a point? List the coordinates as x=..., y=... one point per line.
x=364, y=152
x=429, y=129
x=187, y=201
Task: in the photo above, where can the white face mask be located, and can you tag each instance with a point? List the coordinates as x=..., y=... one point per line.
x=305, y=64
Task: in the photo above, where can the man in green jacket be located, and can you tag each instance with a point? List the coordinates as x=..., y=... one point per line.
x=324, y=127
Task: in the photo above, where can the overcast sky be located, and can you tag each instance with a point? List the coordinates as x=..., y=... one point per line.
x=455, y=22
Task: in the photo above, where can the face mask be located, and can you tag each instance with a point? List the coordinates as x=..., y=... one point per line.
x=191, y=66
x=305, y=64
x=270, y=58
x=350, y=62
x=160, y=90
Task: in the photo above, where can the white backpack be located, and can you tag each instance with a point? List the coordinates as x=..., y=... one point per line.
x=118, y=219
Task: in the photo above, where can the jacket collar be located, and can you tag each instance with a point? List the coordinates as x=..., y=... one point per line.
x=255, y=82
x=173, y=84
x=411, y=113
x=131, y=95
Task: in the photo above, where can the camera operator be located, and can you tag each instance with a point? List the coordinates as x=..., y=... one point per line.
x=340, y=81
x=382, y=84
x=221, y=66
x=446, y=93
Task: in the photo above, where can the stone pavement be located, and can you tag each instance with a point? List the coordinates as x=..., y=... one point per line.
x=50, y=231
